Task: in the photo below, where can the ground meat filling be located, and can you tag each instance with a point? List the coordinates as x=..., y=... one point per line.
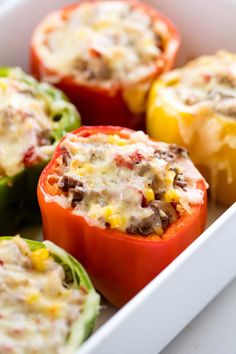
x=110, y=42
x=133, y=184
x=25, y=128
x=164, y=215
x=74, y=187
x=38, y=301
x=209, y=82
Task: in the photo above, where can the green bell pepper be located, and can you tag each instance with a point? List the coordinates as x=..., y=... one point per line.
x=18, y=200
x=76, y=277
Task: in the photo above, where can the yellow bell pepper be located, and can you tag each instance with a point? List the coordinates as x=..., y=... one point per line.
x=209, y=135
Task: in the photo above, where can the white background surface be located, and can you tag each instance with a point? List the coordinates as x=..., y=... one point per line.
x=211, y=332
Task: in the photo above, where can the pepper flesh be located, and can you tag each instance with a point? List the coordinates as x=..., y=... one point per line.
x=165, y=121
x=126, y=105
x=18, y=201
x=119, y=264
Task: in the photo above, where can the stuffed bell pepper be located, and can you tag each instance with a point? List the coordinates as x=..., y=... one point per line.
x=122, y=204
x=47, y=302
x=104, y=56
x=33, y=117
x=196, y=106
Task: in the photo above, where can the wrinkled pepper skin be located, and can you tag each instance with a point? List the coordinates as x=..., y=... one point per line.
x=86, y=321
x=119, y=264
x=18, y=197
x=165, y=121
x=103, y=106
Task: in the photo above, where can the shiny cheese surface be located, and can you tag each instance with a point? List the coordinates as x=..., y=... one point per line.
x=206, y=84
x=196, y=106
x=37, y=309
x=121, y=183
x=24, y=126
x=104, y=42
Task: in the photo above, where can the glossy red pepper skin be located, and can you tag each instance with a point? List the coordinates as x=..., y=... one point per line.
x=99, y=105
x=119, y=264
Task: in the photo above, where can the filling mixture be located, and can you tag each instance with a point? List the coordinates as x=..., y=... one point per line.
x=37, y=307
x=208, y=82
x=131, y=184
x=110, y=42
x=24, y=126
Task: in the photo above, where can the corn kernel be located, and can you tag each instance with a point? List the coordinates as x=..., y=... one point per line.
x=86, y=169
x=39, y=258
x=102, y=24
x=171, y=196
x=107, y=211
x=116, y=140
x=116, y=221
x=149, y=194
x=170, y=175
x=110, y=216
x=75, y=164
x=33, y=297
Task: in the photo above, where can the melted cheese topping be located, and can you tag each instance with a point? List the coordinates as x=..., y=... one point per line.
x=134, y=185
x=110, y=42
x=24, y=126
x=207, y=84
x=36, y=308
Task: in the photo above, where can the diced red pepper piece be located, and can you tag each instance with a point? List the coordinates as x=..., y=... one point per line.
x=30, y=156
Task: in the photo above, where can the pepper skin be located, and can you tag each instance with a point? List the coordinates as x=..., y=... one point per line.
x=119, y=105
x=18, y=200
x=209, y=136
x=119, y=264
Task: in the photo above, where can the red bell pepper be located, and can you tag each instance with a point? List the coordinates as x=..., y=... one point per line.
x=98, y=104
x=119, y=264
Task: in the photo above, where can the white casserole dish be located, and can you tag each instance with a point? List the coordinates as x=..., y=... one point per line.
x=159, y=312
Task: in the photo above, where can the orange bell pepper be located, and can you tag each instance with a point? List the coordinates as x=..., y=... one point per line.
x=119, y=264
